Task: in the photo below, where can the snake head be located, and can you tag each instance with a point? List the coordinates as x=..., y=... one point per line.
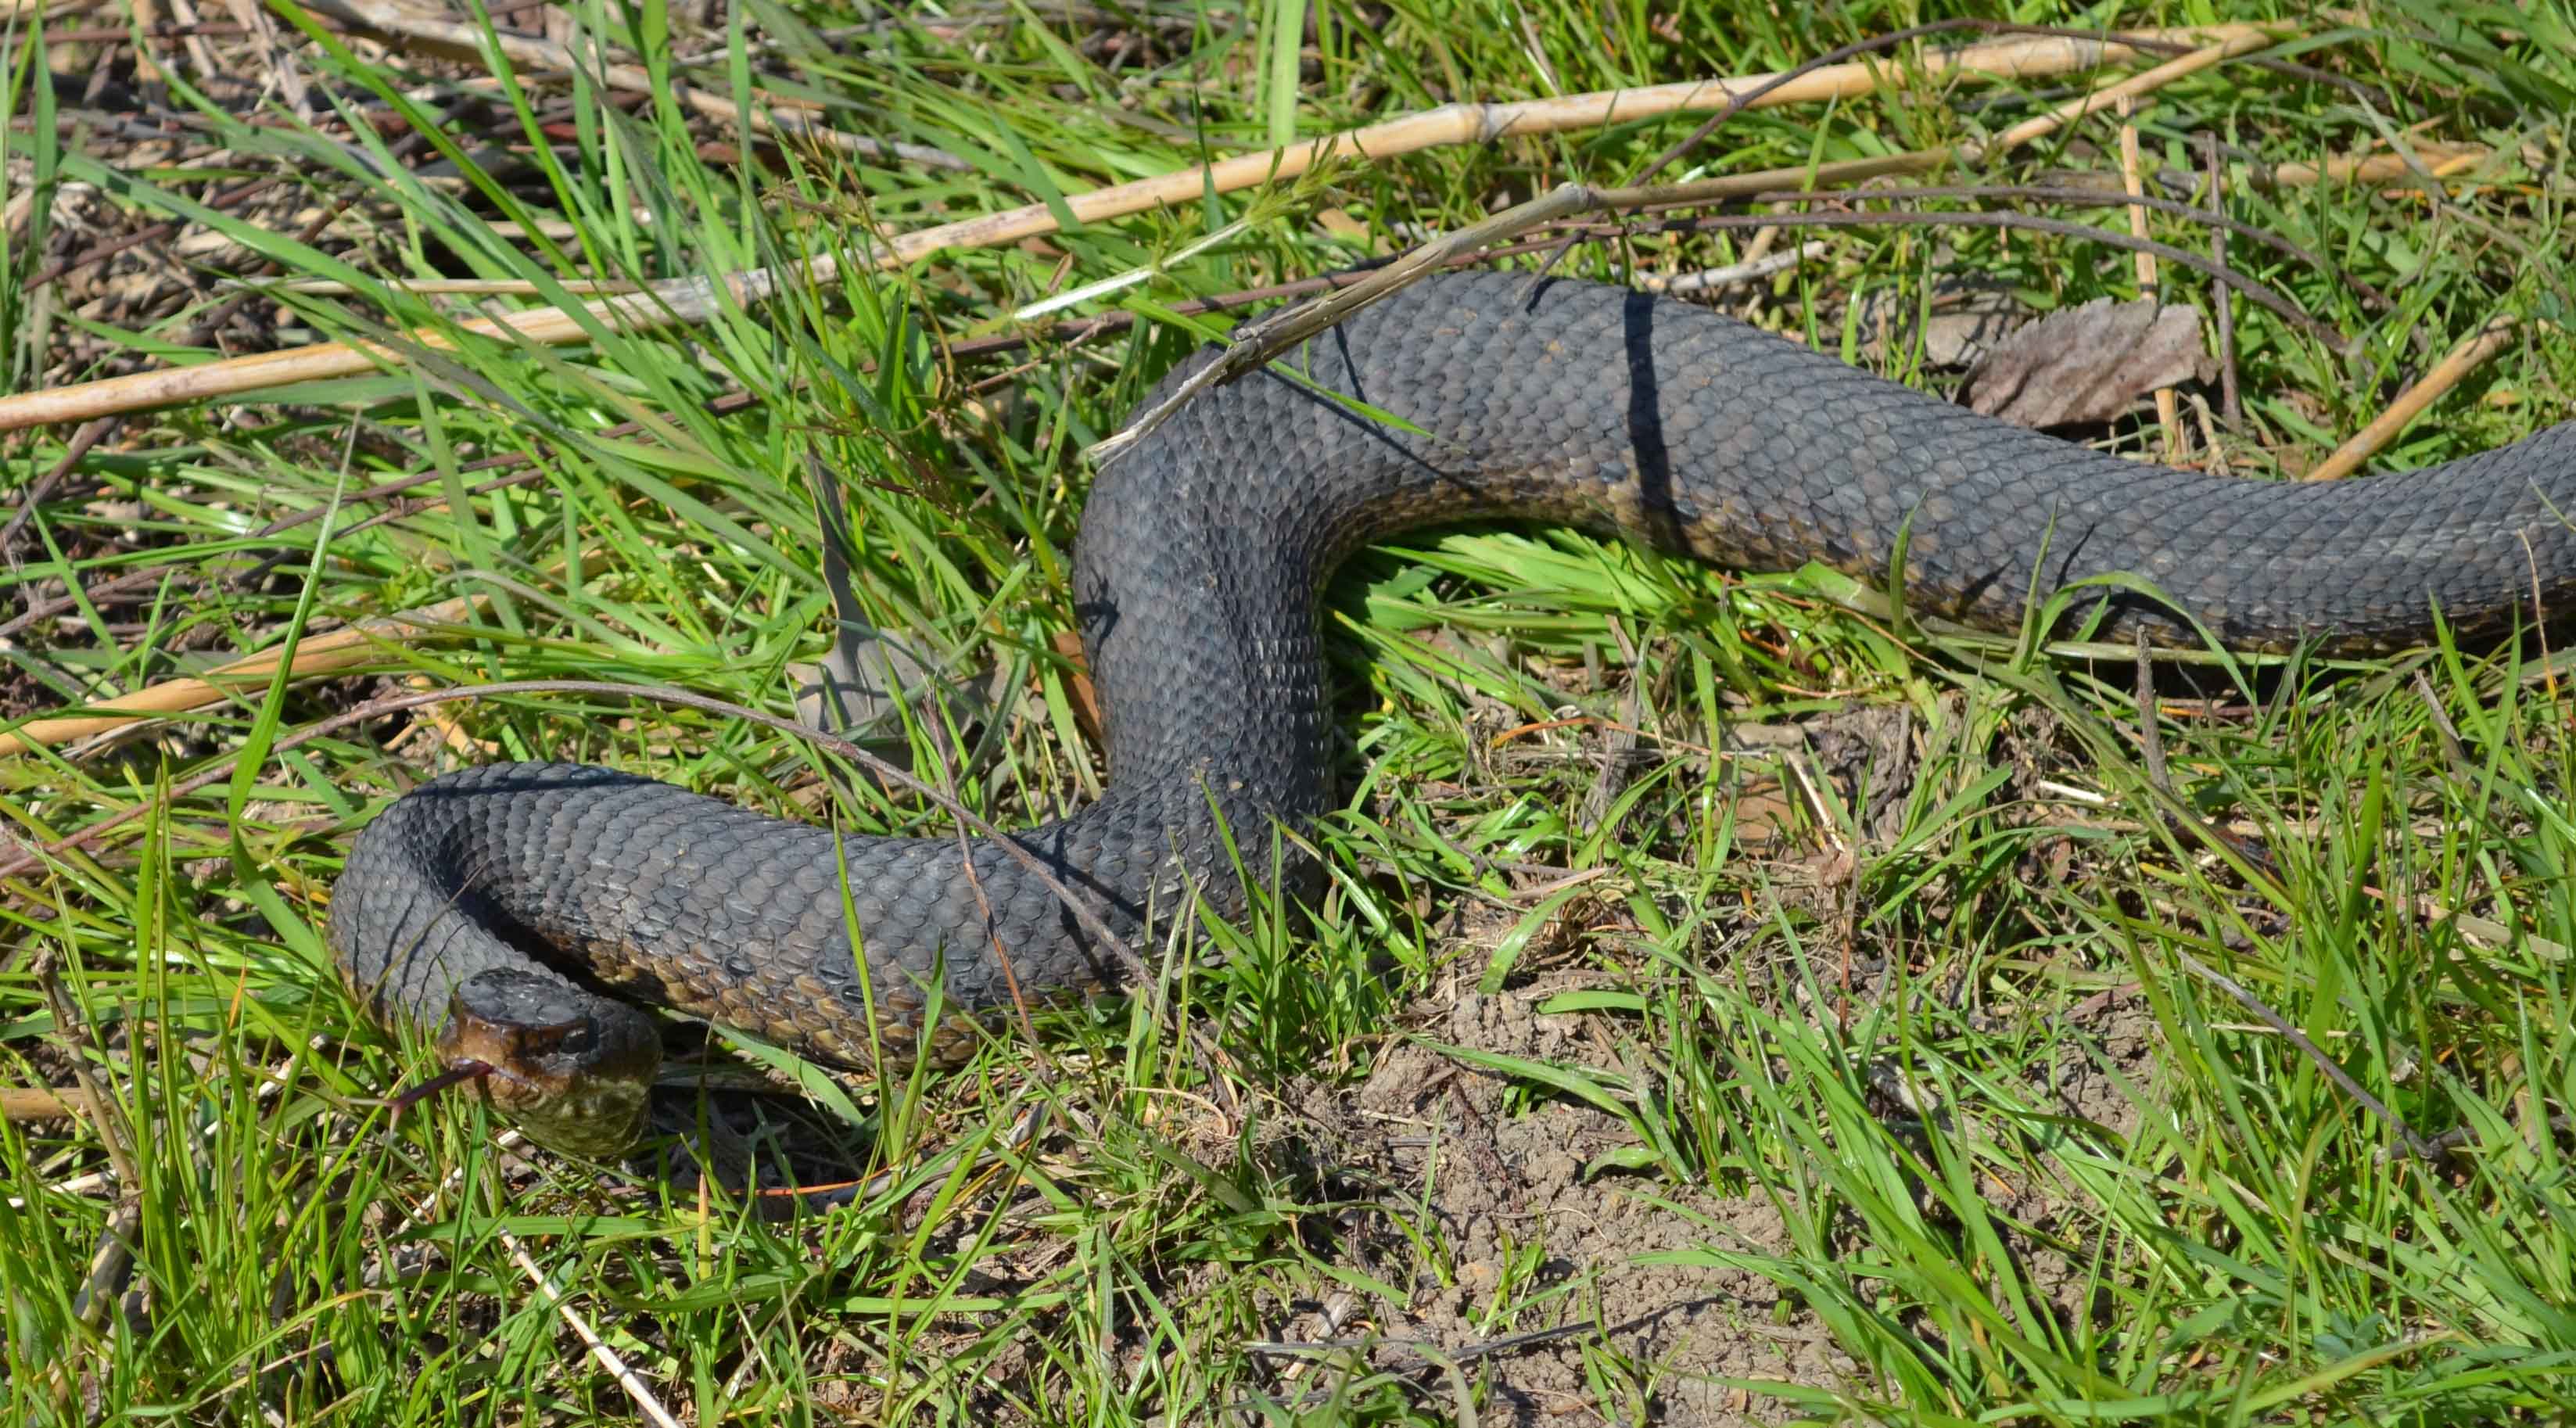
x=570, y=1069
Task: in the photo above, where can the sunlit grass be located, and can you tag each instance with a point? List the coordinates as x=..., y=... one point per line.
x=1857, y=1011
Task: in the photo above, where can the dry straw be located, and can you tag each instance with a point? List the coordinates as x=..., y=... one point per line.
x=694, y=300
x=2471, y=353
x=345, y=648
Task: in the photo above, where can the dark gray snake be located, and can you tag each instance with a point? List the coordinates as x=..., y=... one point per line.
x=1196, y=577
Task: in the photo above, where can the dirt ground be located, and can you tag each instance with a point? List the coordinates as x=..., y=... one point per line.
x=1496, y=1182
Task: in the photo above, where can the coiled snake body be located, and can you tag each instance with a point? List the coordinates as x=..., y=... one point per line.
x=1196, y=573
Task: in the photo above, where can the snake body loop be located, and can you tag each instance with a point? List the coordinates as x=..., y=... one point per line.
x=1196, y=575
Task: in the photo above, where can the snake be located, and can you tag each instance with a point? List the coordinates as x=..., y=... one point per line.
x=525, y=916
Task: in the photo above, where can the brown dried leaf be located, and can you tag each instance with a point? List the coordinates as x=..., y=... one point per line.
x=2084, y=367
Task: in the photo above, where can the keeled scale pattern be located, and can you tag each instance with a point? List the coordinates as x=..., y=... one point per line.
x=1195, y=577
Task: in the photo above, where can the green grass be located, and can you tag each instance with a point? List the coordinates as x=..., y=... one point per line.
x=1847, y=1020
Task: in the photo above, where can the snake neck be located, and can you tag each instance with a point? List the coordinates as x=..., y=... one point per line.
x=1196, y=577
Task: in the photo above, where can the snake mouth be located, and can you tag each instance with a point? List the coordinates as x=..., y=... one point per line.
x=570, y=1069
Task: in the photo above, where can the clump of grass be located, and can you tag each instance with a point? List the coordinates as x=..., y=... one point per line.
x=1861, y=999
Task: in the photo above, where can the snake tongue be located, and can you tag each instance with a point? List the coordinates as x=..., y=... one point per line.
x=457, y=1074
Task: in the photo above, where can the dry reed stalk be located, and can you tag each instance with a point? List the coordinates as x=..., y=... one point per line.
x=2471, y=353
x=318, y=654
x=690, y=301
x=2132, y=180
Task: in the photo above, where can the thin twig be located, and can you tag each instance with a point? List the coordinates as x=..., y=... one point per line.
x=686, y=302
x=2096, y=198
x=823, y=482
x=637, y=1390
x=101, y=252
x=1264, y=340
x=2454, y=753
x=2179, y=816
x=320, y=654
x=1876, y=44
x=541, y=54
x=2469, y=354
x=2225, y=310
x=1738, y=103
x=1081, y=329
x=1258, y=342
x=112, y=1262
x=2417, y=1145
x=1709, y=280
x=169, y=31
x=79, y=1043
x=89, y=435
x=2254, y=291
x=2460, y=1139
x=1647, y=195
x=2151, y=737
x=1425, y=1352
x=2155, y=757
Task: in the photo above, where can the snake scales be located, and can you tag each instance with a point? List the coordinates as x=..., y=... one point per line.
x=464, y=905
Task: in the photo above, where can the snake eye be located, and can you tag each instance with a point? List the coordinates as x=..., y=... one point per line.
x=572, y=1039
